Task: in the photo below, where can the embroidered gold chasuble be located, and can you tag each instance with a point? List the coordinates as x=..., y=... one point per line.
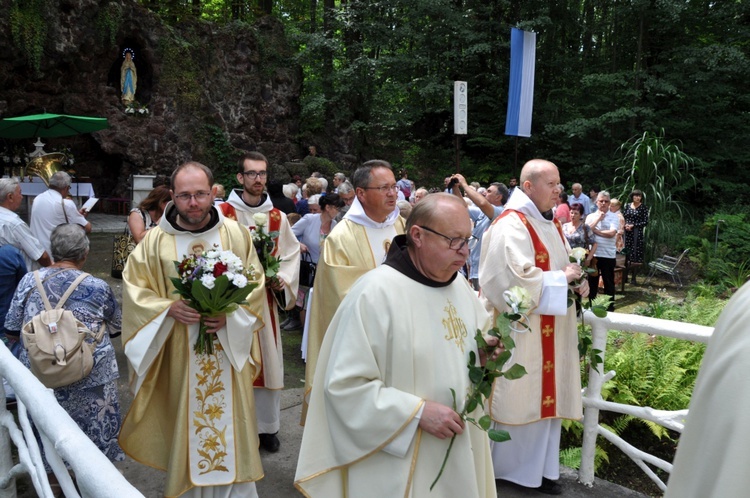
x=508, y=259
x=193, y=416
x=346, y=255
x=382, y=365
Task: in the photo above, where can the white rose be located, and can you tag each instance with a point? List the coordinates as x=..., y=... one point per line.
x=518, y=299
x=260, y=219
x=208, y=281
x=579, y=254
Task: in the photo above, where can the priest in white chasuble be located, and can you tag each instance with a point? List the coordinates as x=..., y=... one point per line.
x=355, y=246
x=525, y=247
x=248, y=206
x=380, y=418
x=712, y=454
x=193, y=414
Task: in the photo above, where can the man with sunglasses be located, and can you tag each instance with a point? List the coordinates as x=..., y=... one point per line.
x=381, y=415
x=356, y=245
x=281, y=290
x=525, y=247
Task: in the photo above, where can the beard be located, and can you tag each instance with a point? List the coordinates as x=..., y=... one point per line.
x=196, y=216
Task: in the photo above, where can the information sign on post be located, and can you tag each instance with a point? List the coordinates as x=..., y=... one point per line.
x=460, y=108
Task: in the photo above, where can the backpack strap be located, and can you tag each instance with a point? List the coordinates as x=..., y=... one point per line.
x=39, y=287
x=70, y=290
x=100, y=333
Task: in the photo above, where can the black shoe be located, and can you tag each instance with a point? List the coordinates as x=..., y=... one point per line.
x=292, y=324
x=550, y=487
x=269, y=442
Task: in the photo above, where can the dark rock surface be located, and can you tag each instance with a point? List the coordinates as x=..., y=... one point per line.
x=210, y=90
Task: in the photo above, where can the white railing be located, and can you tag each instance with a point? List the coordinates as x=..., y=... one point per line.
x=61, y=437
x=593, y=402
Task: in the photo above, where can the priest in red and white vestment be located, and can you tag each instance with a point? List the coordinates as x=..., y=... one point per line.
x=525, y=247
x=281, y=291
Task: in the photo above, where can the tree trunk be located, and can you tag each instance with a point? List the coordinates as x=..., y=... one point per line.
x=313, y=16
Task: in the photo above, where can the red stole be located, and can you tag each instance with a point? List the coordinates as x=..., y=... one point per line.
x=547, y=336
x=274, y=225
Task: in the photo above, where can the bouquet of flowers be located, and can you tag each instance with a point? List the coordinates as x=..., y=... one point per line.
x=482, y=377
x=264, y=245
x=213, y=282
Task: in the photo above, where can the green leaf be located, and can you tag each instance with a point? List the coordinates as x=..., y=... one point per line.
x=599, y=311
x=515, y=372
x=476, y=374
x=503, y=357
x=471, y=405
x=485, y=422
x=498, y=436
x=508, y=342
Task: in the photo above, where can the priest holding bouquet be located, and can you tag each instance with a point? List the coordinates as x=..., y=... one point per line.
x=193, y=413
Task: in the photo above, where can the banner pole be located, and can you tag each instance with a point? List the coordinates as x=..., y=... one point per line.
x=458, y=162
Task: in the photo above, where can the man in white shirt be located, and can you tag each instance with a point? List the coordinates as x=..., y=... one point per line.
x=53, y=208
x=604, y=223
x=579, y=197
x=13, y=230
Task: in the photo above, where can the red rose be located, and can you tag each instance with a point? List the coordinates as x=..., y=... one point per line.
x=220, y=269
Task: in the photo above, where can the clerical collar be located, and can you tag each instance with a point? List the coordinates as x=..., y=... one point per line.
x=356, y=213
x=171, y=216
x=398, y=258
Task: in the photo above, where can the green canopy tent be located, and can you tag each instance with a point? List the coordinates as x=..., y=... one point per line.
x=50, y=125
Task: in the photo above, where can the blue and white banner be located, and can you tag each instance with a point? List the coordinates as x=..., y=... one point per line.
x=521, y=88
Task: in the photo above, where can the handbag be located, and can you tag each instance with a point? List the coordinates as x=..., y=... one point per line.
x=55, y=341
x=307, y=270
x=122, y=245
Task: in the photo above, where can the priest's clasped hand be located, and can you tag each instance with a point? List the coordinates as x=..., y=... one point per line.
x=183, y=313
x=441, y=421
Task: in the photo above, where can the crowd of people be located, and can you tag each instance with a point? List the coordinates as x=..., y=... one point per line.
x=403, y=277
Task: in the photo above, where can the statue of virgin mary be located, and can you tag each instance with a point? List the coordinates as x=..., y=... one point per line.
x=128, y=76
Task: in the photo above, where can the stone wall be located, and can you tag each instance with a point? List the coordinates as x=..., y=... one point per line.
x=210, y=90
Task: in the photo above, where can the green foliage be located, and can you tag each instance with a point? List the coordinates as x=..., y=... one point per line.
x=221, y=157
x=28, y=27
x=181, y=74
x=721, y=250
x=656, y=371
x=571, y=456
x=701, y=306
x=108, y=21
x=662, y=171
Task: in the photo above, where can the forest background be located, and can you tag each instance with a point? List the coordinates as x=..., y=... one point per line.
x=381, y=74
x=377, y=81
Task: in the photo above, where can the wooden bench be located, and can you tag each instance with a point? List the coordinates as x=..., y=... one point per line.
x=669, y=265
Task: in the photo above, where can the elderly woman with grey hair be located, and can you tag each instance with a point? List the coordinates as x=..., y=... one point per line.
x=92, y=401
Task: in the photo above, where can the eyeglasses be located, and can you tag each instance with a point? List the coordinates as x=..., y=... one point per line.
x=455, y=243
x=384, y=189
x=255, y=174
x=198, y=196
